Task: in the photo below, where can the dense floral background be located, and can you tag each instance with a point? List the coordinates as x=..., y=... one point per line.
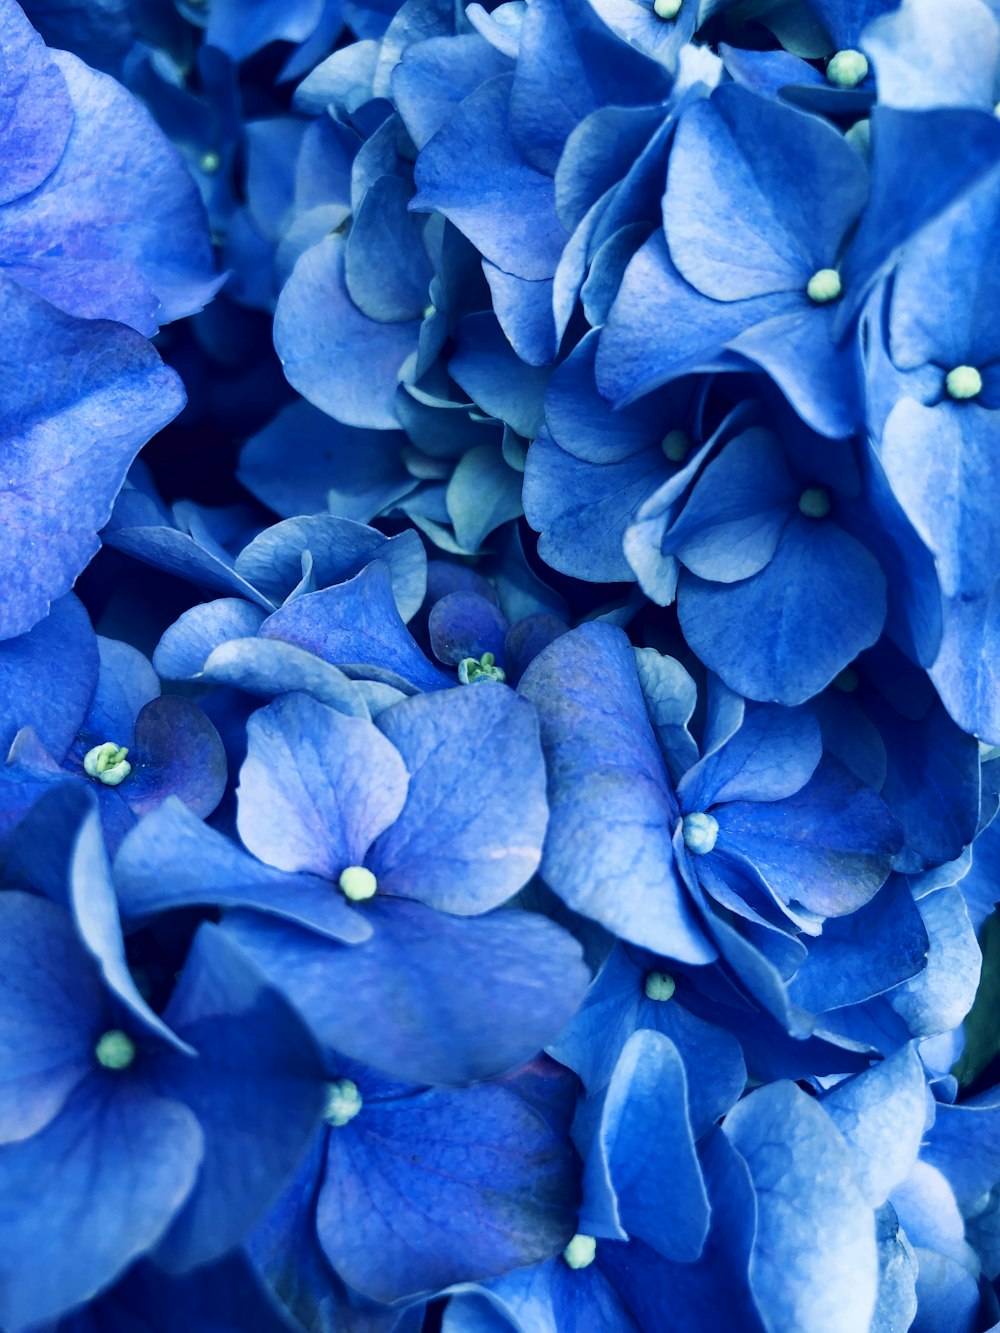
x=500, y=666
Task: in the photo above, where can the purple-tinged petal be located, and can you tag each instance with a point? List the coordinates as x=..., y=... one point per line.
x=178, y=752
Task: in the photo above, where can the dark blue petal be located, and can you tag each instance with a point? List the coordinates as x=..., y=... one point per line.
x=430, y=998
x=111, y=1171
x=177, y=753
x=489, y=371
x=317, y=787
x=611, y=806
x=39, y=115
x=304, y=462
x=50, y=1014
x=387, y=270
x=442, y=1187
x=828, y=847
x=256, y=1089
x=466, y=624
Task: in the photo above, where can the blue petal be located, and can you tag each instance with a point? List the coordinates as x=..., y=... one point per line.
x=644, y=1154
x=783, y=634
x=441, y=1187
x=387, y=270
x=317, y=788
x=828, y=846
x=268, y=667
x=111, y=1171
x=505, y=206
x=466, y=624
x=814, y=1261
x=341, y=361
x=50, y=1016
x=772, y=756
x=484, y=492
x=187, y=644
x=865, y=953
x=925, y=55
x=171, y=859
x=470, y=834
x=304, y=462
x=339, y=549
x=39, y=114
x=430, y=998
x=95, y=911
x=784, y=190
x=179, y=753
x=489, y=371
x=435, y=75
x=36, y=688
x=524, y=310
x=256, y=1089
x=356, y=624
x=881, y=1113
x=941, y=464
x=123, y=235
x=611, y=804
x=77, y=402
x=941, y=994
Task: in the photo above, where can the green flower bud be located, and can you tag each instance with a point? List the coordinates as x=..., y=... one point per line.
x=667, y=9
x=358, y=884
x=106, y=763
x=210, y=163
x=963, y=382
x=824, y=286
x=676, y=445
x=115, y=1050
x=343, y=1102
x=814, y=502
x=700, y=833
x=579, y=1253
x=659, y=986
x=847, y=69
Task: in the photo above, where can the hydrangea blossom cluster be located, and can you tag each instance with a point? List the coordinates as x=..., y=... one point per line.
x=498, y=824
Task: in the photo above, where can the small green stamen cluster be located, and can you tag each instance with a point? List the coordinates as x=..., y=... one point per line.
x=358, y=884
x=343, y=1102
x=676, y=445
x=210, y=163
x=814, y=502
x=667, y=9
x=579, y=1253
x=472, y=670
x=700, y=832
x=963, y=382
x=106, y=763
x=847, y=69
x=659, y=986
x=824, y=286
x=114, y=1050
